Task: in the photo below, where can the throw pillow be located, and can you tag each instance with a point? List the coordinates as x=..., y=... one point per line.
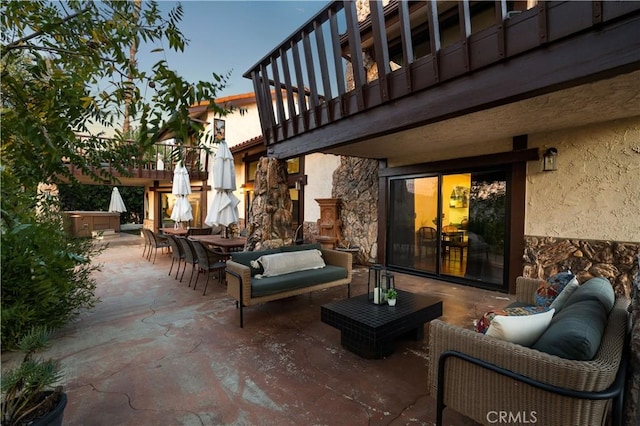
x=482, y=325
x=522, y=330
x=562, y=298
x=550, y=289
x=285, y=263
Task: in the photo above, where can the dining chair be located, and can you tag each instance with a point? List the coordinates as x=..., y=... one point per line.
x=427, y=238
x=156, y=242
x=177, y=253
x=190, y=257
x=453, y=239
x=208, y=261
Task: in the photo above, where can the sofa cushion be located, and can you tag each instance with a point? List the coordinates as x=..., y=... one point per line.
x=599, y=289
x=552, y=287
x=523, y=330
x=285, y=263
x=576, y=331
x=282, y=283
x=245, y=258
x=311, y=246
x=562, y=298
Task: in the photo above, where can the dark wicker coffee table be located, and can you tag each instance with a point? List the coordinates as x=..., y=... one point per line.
x=369, y=330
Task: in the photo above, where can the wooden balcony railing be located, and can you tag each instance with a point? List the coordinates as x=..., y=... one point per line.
x=335, y=66
x=158, y=163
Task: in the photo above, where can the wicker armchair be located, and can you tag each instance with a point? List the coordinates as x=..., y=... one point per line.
x=485, y=378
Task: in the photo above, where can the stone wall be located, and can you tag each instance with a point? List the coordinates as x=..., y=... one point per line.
x=355, y=183
x=616, y=261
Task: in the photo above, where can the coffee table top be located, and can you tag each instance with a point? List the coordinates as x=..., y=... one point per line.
x=359, y=309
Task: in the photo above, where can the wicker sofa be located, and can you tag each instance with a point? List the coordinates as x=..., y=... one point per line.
x=246, y=285
x=496, y=381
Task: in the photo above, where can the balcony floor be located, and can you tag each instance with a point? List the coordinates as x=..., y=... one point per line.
x=156, y=352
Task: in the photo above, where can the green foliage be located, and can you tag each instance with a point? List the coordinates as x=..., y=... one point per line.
x=392, y=293
x=23, y=385
x=66, y=70
x=97, y=197
x=46, y=275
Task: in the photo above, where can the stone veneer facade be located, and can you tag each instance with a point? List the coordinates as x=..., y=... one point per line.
x=615, y=261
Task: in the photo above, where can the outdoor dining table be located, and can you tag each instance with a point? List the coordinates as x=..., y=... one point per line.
x=226, y=244
x=174, y=231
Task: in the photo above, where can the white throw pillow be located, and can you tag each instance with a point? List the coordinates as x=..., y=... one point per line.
x=562, y=298
x=523, y=330
x=285, y=263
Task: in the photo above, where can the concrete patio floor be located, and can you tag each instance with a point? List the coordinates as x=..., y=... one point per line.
x=154, y=351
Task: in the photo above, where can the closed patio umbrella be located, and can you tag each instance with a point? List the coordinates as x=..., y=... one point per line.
x=116, y=204
x=224, y=206
x=181, y=188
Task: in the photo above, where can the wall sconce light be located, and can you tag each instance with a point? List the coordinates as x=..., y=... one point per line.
x=549, y=160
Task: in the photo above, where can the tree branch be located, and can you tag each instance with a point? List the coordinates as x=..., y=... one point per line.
x=18, y=43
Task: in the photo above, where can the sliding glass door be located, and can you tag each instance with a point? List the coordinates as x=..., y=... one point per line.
x=450, y=225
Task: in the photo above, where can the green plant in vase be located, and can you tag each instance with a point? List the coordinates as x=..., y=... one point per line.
x=392, y=295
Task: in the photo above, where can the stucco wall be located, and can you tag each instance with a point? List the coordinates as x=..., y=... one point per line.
x=595, y=193
x=319, y=169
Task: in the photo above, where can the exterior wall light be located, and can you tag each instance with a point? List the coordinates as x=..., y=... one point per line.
x=549, y=160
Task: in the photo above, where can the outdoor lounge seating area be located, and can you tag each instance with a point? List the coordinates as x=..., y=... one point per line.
x=263, y=276
x=558, y=371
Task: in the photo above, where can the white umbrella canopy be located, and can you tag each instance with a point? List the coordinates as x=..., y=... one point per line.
x=181, y=181
x=224, y=172
x=116, y=204
x=181, y=210
x=223, y=209
x=224, y=206
x=181, y=188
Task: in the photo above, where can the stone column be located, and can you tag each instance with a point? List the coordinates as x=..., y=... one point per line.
x=270, y=217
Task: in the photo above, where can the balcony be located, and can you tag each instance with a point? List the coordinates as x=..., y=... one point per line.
x=157, y=164
x=343, y=85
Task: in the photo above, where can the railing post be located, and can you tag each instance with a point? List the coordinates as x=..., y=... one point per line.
x=434, y=33
x=355, y=47
x=381, y=47
x=407, y=42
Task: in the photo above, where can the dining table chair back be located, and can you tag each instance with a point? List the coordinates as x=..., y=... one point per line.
x=208, y=261
x=177, y=253
x=147, y=241
x=427, y=238
x=199, y=231
x=157, y=242
x=190, y=257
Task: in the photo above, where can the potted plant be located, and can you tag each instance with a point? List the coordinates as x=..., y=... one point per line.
x=28, y=392
x=392, y=295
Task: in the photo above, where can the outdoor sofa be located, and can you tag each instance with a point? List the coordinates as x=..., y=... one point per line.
x=294, y=270
x=492, y=380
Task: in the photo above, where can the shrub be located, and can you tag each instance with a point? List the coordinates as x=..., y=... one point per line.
x=46, y=274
